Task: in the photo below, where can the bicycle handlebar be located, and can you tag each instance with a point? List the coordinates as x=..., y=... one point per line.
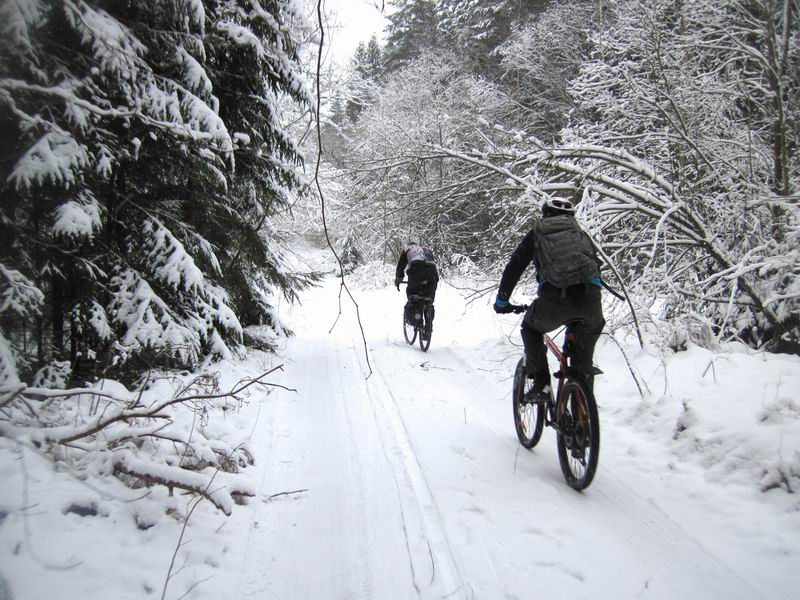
x=518, y=308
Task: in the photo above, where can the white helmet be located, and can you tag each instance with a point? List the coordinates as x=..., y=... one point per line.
x=559, y=204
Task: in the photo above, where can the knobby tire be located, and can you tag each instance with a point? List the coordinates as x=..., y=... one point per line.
x=426, y=329
x=528, y=418
x=409, y=331
x=578, y=439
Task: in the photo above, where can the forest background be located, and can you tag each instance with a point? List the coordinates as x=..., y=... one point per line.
x=158, y=163
x=152, y=155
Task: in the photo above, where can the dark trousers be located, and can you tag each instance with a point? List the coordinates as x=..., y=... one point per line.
x=580, y=308
x=422, y=280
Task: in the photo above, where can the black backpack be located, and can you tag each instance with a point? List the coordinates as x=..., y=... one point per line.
x=564, y=254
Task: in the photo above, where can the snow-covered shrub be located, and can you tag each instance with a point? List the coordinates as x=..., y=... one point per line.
x=54, y=376
x=464, y=266
x=678, y=333
x=171, y=431
x=372, y=275
x=348, y=252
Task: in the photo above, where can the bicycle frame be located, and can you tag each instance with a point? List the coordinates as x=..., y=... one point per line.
x=563, y=365
x=562, y=375
x=560, y=357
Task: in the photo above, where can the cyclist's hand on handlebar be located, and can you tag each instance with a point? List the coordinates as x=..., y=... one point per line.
x=501, y=305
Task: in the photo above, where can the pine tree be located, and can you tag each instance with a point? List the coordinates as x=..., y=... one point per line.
x=475, y=28
x=367, y=67
x=413, y=28
x=140, y=170
x=253, y=80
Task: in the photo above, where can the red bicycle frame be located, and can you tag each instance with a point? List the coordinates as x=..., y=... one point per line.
x=561, y=358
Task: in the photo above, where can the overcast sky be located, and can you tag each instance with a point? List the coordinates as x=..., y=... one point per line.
x=354, y=21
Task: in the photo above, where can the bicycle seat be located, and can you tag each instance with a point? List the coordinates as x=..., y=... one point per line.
x=575, y=321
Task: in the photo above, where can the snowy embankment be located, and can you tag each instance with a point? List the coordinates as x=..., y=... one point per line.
x=410, y=483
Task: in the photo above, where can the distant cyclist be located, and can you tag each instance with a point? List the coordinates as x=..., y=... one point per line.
x=568, y=273
x=422, y=276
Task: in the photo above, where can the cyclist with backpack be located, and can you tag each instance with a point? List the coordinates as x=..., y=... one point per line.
x=568, y=273
x=422, y=276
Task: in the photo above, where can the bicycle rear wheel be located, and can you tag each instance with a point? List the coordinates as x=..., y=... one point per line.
x=578, y=437
x=426, y=329
x=409, y=331
x=528, y=418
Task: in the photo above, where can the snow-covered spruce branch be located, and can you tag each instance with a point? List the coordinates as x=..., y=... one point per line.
x=180, y=129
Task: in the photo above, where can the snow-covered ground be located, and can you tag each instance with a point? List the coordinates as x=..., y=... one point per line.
x=410, y=483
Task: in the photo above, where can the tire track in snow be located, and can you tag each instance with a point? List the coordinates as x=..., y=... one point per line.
x=674, y=542
x=314, y=544
x=611, y=516
x=444, y=579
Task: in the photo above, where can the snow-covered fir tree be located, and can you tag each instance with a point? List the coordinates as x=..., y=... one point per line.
x=367, y=75
x=477, y=27
x=144, y=154
x=413, y=28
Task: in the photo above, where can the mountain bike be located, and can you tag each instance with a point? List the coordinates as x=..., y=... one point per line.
x=422, y=324
x=572, y=413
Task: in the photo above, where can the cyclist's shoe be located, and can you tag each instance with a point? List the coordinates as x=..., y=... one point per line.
x=425, y=336
x=538, y=394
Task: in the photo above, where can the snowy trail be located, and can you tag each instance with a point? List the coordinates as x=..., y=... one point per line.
x=518, y=528
x=417, y=487
x=321, y=542
x=366, y=526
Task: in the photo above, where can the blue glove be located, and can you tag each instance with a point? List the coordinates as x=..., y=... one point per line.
x=501, y=305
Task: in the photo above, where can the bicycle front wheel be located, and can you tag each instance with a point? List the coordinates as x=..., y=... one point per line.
x=578, y=437
x=409, y=331
x=426, y=329
x=528, y=417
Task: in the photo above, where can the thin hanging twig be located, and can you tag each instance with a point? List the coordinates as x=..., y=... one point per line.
x=630, y=367
x=343, y=284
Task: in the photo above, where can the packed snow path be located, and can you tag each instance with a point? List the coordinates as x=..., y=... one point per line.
x=411, y=483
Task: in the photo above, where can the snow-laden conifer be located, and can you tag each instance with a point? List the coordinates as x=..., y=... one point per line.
x=146, y=155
